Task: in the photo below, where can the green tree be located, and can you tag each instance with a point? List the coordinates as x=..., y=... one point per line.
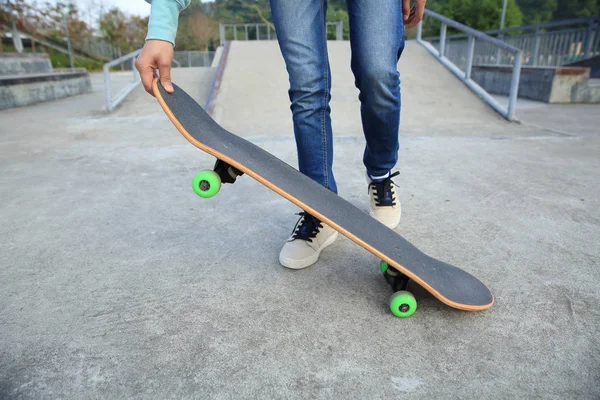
x=482, y=14
x=127, y=33
x=114, y=28
x=204, y=31
x=567, y=9
x=537, y=11
x=335, y=14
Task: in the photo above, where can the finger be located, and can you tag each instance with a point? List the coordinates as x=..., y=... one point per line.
x=415, y=19
x=165, y=77
x=405, y=9
x=147, y=75
x=420, y=11
x=408, y=22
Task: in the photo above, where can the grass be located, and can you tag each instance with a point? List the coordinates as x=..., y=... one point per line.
x=61, y=60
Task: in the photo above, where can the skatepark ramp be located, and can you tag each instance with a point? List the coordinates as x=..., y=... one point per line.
x=253, y=100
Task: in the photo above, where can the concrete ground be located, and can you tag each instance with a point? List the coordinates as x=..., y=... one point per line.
x=116, y=281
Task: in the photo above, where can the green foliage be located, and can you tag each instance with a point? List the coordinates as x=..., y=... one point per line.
x=576, y=8
x=61, y=60
x=124, y=31
x=239, y=11
x=336, y=15
x=482, y=14
x=537, y=11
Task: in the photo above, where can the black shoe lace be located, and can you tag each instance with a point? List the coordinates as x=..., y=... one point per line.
x=384, y=197
x=307, y=227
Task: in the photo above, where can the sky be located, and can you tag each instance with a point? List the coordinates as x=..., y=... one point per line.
x=137, y=7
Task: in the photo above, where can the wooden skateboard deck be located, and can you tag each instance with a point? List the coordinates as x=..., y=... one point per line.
x=449, y=284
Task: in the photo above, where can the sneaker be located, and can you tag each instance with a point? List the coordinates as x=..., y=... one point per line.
x=309, y=237
x=385, y=206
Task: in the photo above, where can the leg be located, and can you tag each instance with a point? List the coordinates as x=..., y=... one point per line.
x=302, y=34
x=377, y=40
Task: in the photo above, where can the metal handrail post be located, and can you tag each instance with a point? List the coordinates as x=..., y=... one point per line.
x=136, y=75
x=536, y=47
x=107, y=88
x=589, y=40
x=470, y=54
x=514, y=85
x=443, y=30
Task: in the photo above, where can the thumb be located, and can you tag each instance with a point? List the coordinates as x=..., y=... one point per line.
x=165, y=77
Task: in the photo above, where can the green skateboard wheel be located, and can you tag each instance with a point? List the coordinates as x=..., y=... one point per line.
x=383, y=266
x=206, y=183
x=403, y=304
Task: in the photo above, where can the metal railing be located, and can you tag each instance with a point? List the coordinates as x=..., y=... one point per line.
x=461, y=64
x=127, y=65
x=550, y=44
x=112, y=103
x=188, y=59
x=263, y=31
x=68, y=70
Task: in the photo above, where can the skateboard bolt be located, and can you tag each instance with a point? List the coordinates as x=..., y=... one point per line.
x=204, y=185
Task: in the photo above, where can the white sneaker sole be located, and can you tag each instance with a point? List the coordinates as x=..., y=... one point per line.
x=307, y=262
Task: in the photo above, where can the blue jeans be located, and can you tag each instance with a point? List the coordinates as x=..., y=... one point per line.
x=377, y=41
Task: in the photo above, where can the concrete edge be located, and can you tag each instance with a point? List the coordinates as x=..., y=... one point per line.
x=211, y=101
x=217, y=57
x=34, y=78
x=43, y=56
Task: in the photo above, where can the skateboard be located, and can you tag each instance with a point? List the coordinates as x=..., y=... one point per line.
x=400, y=260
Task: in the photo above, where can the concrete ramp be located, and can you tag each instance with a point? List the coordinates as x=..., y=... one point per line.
x=253, y=99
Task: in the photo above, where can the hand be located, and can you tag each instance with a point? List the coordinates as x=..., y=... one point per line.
x=156, y=55
x=412, y=16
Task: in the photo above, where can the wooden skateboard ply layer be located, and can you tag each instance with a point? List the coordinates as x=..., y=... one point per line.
x=449, y=284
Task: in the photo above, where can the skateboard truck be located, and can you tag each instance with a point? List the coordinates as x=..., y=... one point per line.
x=402, y=302
x=227, y=173
x=207, y=183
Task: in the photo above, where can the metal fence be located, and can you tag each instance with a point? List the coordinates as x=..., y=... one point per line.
x=129, y=60
x=461, y=63
x=267, y=31
x=545, y=45
x=194, y=58
x=121, y=76
x=97, y=47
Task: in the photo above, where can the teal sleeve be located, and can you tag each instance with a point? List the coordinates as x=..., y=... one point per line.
x=164, y=16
